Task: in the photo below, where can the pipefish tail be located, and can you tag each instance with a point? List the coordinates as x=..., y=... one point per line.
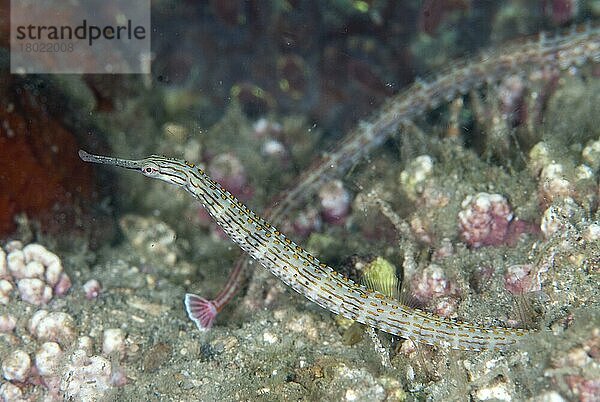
x=303, y=272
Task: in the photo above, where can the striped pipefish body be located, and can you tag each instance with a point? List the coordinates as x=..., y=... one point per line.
x=305, y=273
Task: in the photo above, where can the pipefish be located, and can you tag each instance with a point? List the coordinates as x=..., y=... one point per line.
x=303, y=272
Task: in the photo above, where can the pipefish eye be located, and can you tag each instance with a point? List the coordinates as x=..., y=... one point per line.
x=150, y=169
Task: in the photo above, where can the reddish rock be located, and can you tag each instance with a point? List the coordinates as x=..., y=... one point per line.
x=40, y=172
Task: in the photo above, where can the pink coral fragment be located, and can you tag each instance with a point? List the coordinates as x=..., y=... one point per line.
x=335, y=202
x=92, y=289
x=519, y=279
x=484, y=220
x=63, y=285
x=432, y=283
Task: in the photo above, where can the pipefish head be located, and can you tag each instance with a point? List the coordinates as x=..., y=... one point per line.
x=172, y=171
